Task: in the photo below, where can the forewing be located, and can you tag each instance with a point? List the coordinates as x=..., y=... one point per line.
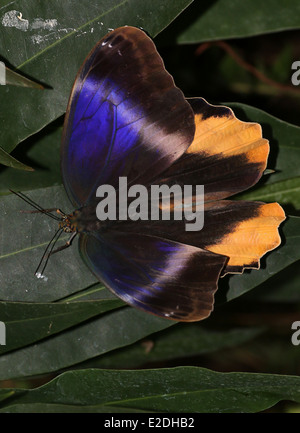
x=227, y=155
x=125, y=117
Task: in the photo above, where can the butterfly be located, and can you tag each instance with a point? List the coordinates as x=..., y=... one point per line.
x=126, y=118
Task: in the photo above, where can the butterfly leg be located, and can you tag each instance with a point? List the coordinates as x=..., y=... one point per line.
x=39, y=271
x=63, y=247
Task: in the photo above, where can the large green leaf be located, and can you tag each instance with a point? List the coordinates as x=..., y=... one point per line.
x=94, y=337
x=42, y=152
x=285, y=192
x=100, y=337
x=31, y=322
x=4, y=394
x=10, y=161
x=23, y=242
x=283, y=287
x=31, y=233
x=176, y=344
x=15, y=79
x=177, y=390
x=207, y=20
x=55, y=40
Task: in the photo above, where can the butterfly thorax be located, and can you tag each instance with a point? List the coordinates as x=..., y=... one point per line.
x=68, y=222
x=82, y=220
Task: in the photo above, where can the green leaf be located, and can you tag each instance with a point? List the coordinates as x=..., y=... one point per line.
x=283, y=287
x=15, y=79
x=42, y=152
x=54, y=43
x=206, y=20
x=177, y=390
x=68, y=280
x=10, y=161
x=86, y=340
x=179, y=343
x=27, y=323
x=284, y=192
x=29, y=245
x=31, y=234
x=4, y=394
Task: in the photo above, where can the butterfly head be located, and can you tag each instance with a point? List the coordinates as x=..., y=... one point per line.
x=67, y=222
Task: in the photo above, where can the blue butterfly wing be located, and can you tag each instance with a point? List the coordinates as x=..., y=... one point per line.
x=159, y=276
x=125, y=117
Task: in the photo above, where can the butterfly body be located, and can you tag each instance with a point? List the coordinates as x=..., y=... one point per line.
x=84, y=220
x=67, y=224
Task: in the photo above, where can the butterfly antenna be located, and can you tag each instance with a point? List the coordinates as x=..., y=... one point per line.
x=35, y=205
x=52, y=242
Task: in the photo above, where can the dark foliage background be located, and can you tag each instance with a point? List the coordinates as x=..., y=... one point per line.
x=70, y=345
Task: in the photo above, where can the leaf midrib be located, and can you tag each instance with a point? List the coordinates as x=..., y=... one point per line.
x=4, y=256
